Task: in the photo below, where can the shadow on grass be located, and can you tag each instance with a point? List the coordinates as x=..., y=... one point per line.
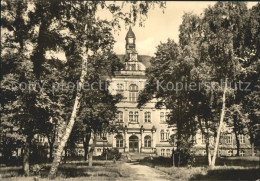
x=229, y=174
x=201, y=161
x=156, y=161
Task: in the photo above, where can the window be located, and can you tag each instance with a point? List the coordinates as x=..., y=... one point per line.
x=133, y=67
x=120, y=116
x=162, y=117
x=147, y=141
x=194, y=139
x=40, y=139
x=120, y=87
x=229, y=139
x=230, y=153
x=136, y=116
x=147, y=117
x=203, y=139
x=119, y=141
x=162, y=135
x=168, y=152
x=167, y=135
x=162, y=152
x=138, y=67
x=241, y=138
x=133, y=93
x=242, y=153
x=131, y=116
x=98, y=150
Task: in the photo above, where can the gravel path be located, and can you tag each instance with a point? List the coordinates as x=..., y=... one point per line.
x=143, y=172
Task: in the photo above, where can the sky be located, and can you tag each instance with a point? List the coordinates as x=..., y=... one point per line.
x=160, y=26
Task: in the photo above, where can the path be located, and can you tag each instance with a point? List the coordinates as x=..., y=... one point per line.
x=143, y=173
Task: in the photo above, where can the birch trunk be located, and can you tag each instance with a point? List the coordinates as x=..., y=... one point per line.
x=68, y=129
x=209, y=156
x=220, y=125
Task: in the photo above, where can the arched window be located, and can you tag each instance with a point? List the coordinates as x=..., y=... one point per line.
x=131, y=116
x=147, y=117
x=162, y=135
x=133, y=93
x=120, y=116
x=162, y=117
x=147, y=141
x=119, y=141
x=136, y=116
x=162, y=152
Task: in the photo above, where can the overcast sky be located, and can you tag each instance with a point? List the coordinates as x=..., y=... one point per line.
x=160, y=26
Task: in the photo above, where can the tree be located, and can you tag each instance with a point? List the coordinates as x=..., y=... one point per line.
x=167, y=76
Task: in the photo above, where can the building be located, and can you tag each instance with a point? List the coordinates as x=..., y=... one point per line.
x=143, y=130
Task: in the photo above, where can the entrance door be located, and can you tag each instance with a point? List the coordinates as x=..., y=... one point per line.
x=133, y=143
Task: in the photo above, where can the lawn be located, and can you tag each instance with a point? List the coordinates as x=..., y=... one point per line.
x=227, y=168
x=101, y=170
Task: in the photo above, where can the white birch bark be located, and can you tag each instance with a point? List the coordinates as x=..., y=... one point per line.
x=69, y=126
x=220, y=125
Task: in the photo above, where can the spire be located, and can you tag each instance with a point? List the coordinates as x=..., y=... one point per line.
x=130, y=33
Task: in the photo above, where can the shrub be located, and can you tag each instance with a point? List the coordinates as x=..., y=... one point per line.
x=111, y=154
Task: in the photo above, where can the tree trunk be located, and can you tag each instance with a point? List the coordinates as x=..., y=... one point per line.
x=66, y=134
x=51, y=151
x=208, y=151
x=253, y=149
x=237, y=143
x=86, y=143
x=173, y=160
x=220, y=125
x=26, y=153
x=90, y=155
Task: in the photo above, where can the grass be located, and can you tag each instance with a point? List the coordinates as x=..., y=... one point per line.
x=203, y=173
x=99, y=171
x=227, y=168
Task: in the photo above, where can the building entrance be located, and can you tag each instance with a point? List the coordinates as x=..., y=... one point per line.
x=133, y=143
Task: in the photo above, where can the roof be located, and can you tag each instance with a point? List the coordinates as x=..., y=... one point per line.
x=130, y=33
x=145, y=59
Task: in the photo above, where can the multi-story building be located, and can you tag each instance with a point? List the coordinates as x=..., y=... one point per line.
x=145, y=129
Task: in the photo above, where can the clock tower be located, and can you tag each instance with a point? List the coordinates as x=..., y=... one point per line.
x=130, y=41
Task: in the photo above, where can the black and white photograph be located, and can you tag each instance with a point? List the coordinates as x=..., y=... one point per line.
x=129, y=90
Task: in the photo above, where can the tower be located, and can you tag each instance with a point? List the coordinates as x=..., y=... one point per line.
x=131, y=52
x=130, y=41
